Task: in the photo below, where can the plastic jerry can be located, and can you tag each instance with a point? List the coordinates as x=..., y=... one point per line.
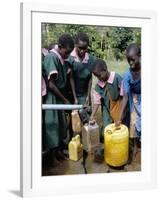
x=75, y=148
x=116, y=145
x=90, y=137
x=76, y=122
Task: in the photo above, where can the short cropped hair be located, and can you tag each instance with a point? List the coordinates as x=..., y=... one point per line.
x=66, y=41
x=82, y=37
x=99, y=65
x=136, y=48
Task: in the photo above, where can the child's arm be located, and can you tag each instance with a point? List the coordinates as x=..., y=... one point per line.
x=94, y=110
x=89, y=91
x=96, y=102
x=73, y=87
x=123, y=106
x=55, y=90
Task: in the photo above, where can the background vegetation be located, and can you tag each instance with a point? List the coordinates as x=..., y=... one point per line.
x=108, y=43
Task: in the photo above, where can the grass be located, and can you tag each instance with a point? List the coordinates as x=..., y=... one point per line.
x=118, y=66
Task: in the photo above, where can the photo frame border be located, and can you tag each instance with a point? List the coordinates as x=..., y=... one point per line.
x=28, y=184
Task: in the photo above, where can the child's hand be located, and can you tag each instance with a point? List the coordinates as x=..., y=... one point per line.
x=92, y=120
x=117, y=123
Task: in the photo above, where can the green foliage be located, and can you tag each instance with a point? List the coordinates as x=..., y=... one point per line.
x=119, y=38
x=108, y=43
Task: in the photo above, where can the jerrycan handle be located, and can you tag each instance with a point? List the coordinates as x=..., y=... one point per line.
x=113, y=129
x=91, y=123
x=77, y=138
x=73, y=139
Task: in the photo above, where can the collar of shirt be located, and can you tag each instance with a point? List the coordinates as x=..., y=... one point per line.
x=76, y=58
x=55, y=50
x=110, y=80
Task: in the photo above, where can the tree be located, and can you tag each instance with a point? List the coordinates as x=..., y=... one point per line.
x=105, y=42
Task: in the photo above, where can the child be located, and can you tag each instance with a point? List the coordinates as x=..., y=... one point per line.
x=132, y=90
x=56, y=69
x=44, y=53
x=81, y=62
x=107, y=92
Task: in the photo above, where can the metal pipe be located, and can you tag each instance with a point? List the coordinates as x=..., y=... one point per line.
x=62, y=106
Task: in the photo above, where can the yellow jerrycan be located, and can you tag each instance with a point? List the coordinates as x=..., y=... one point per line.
x=76, y=122
x=116, y=145
x=75, y=148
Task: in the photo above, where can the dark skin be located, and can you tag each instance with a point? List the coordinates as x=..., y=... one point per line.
x=134, y=61
x=64, y=52
x=102, y=76
x=73, y=87
x=81, y=49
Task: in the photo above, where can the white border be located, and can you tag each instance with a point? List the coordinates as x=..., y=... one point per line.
x=32, y=183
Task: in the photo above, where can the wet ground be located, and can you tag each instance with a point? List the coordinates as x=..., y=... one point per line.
x=68, y=167
x=76, y=167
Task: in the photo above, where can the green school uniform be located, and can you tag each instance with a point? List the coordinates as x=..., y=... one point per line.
x=82, y=73
x=114, y=91
x=55, y=121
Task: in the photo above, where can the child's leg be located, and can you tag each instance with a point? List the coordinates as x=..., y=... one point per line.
x=136, y=145
x=139, y=142
x=135, y=149
x=131, y=144
x=132, y=137
x=69, y=126
x=54, y=162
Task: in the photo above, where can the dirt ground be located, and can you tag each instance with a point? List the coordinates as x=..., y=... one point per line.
x=68, y=167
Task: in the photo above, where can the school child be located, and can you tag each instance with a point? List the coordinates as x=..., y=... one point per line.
x=81, y=62
x=132, y=94
x=56, y=68
x=108, y=92
x=44, y=53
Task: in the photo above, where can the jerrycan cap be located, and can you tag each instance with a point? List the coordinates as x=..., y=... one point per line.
x=77, y=137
